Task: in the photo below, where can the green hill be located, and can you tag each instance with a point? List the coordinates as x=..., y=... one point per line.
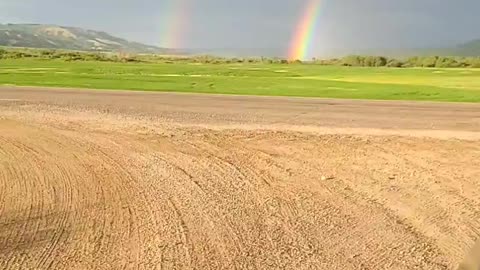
x=69, y=38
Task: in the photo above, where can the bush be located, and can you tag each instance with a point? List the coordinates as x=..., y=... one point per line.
x=353, y=61
x=475, y=63
x=446, y=62
x=380, y=61
x=395, y=63
x=429, y=61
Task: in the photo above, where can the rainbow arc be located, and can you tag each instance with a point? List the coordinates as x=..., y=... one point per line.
x=174, y=24
x=305, y=32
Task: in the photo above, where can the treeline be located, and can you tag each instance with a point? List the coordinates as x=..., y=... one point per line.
x=352, y=60
x=427, y=62
x=46, y=54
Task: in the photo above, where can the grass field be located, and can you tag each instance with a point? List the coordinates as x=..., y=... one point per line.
x=461, y=85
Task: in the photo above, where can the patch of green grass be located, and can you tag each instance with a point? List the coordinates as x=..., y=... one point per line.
x=461, y=85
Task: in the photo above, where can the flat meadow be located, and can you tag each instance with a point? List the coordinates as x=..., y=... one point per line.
x=299, y=80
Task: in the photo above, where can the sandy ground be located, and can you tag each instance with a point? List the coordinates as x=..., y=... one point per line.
x=131, y=180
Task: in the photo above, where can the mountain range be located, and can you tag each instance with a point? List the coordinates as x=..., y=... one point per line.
x=69, y=38
x=471, y=48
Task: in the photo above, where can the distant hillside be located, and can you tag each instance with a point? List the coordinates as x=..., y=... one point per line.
x=471, y=48
x=69, y=38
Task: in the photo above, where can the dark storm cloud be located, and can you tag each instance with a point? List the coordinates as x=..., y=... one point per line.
x=265, y=23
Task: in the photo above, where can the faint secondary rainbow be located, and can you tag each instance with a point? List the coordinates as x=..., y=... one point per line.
x=174, y=14
x=305, y=32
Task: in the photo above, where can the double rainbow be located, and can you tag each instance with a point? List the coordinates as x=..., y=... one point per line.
x=305, y=32
x=175, y=12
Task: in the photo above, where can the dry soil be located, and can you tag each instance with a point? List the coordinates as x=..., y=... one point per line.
x=134, y=180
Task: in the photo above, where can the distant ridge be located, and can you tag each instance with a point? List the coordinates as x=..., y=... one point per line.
x=69, y=38
x=471, y=48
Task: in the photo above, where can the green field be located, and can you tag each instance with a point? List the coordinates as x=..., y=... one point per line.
x=303, y=80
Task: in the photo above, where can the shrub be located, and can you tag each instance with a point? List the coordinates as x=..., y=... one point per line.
x=395, y=63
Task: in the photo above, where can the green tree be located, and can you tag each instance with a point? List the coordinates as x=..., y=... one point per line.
x=395, y=63
x=353, y=61
x=380, y=61
x=429, y=61
x=369, y=61
x=446, y=62
x=475, y=63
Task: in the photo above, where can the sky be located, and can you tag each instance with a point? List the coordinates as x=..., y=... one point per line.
x=341, y=24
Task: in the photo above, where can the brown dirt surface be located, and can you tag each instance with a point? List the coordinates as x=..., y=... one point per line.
x=136, y=180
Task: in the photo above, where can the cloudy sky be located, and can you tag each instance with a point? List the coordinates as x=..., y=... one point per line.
x=342, y=24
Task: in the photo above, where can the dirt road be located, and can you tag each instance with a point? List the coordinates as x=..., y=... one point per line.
x=131, y=180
